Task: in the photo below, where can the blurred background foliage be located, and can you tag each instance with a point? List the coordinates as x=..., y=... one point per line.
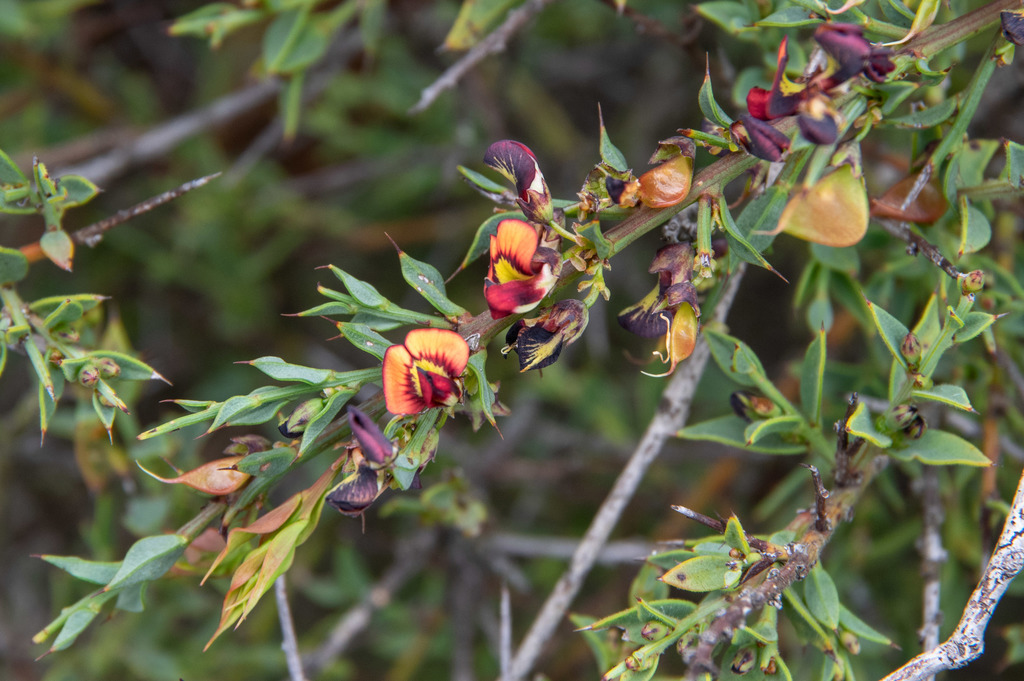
x=207, y=280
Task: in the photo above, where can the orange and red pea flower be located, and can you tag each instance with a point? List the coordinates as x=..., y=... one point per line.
x=424, y=372
x=521, y=272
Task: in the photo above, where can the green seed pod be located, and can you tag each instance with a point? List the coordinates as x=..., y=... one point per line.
x=654, y=631
x=902, y=416
x=973, y=282
x=89, y=375
x=911, y=349
x=108, y=367
x=850, y=642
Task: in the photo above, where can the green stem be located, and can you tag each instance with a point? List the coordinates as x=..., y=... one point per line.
x=873, y=25
x=938, y=38
x=193, y=527
x=974, y=91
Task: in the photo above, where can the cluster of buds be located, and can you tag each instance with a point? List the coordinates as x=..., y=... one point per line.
x=371, y=455
x=849, y=55
x=671, y=310
x=907, y=419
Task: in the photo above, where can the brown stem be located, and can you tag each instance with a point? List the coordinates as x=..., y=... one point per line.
x=803, y=555
x=918, y=244
x=821, y=496
x=93, y=234
x=938, y=38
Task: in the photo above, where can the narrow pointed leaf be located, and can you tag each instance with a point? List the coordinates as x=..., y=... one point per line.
x=75, y=624
x=280, y=370
x=361, y=291
x=974, y=323
x=482, y=181
x=812, y=377
x=708, y=106
x=975, y=230
x=319, y=423
x=92, y=571
x=850, y=622
x=427, y=281
x=951, y=395
x=729, y=430
x=365, y=338
x=738, y=243
x=822, y=597
x=148, y=559
x=758, y=430
x=610, y=154
x=891, y=330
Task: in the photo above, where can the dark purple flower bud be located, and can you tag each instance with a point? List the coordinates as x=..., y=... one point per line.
x=244, y=445
x=818, y=130
x=911, y=349
x=878, y=64
x=516, y=162
x=760, y=138
x=377, y=449
x=852, y=53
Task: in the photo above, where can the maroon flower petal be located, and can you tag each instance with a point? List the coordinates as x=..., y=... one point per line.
x=516, y=162
x=761, y=138
x=821, y=130
x=355, y=493
x=375, y=446
x=513, y=297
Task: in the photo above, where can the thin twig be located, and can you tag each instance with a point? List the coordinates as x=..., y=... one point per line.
x=967, y=642
x=92, y=234
x=918, y=244
x=671, y=415
x=932, y=558
x=525, y=546
x=493, y=43
x=159, y=141
x=652, y=27
x=411, y=557
x=343, y=47
x=505, y=635
x=821, y=495
x=845, y=474
x=289, y=644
